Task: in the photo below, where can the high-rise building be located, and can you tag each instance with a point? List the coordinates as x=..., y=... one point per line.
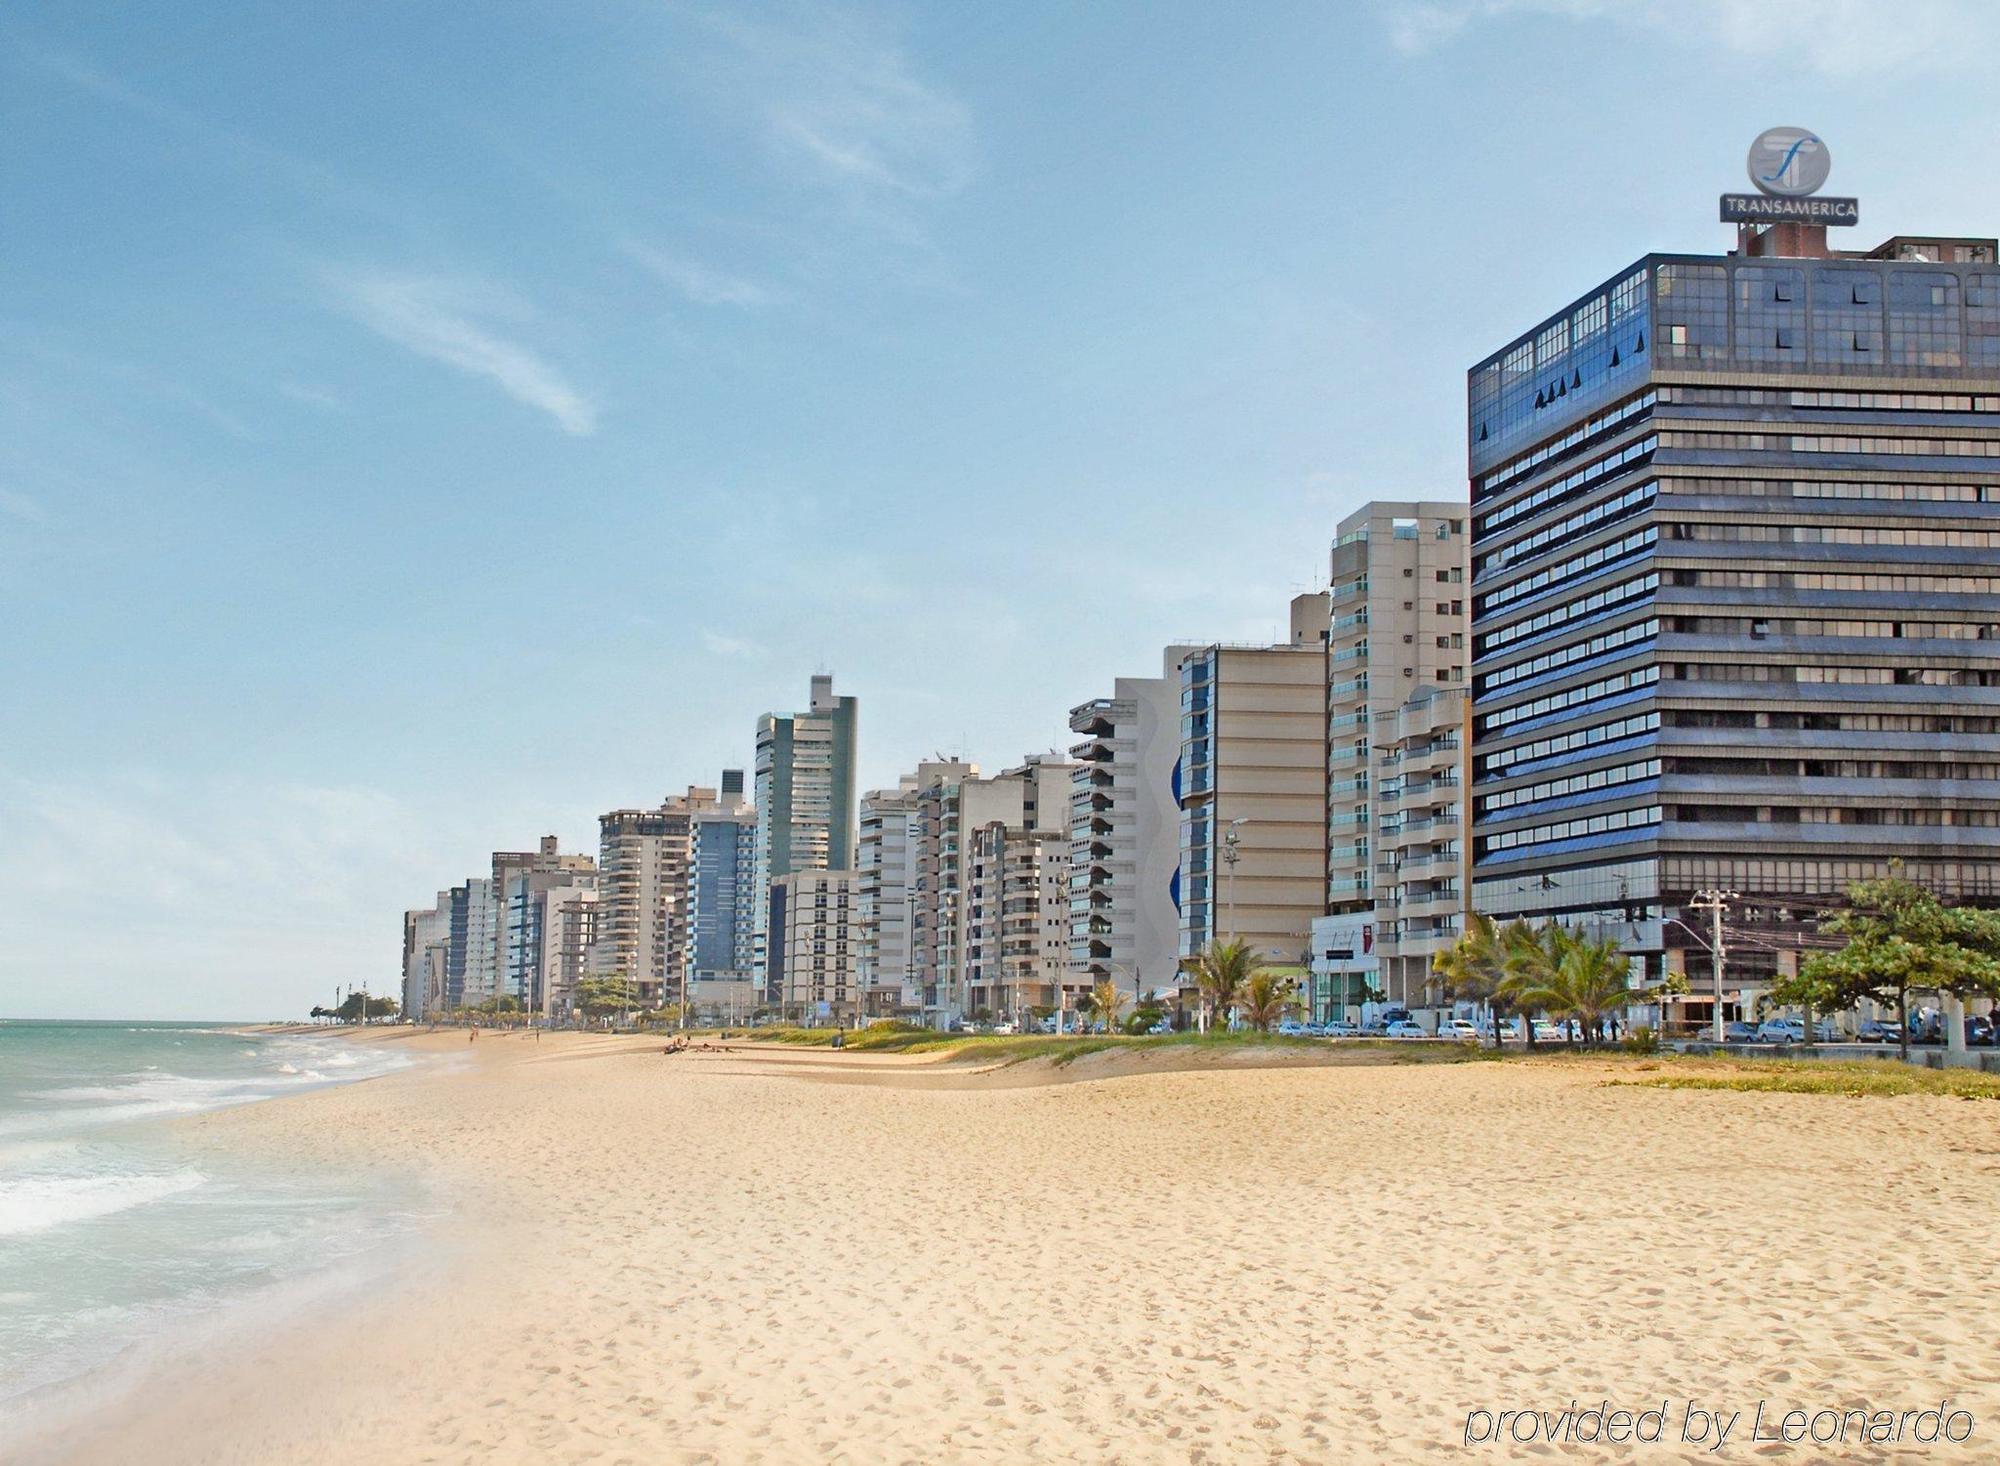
x=1735, y=610
x=1124, y=901
x=483, y=942
x=819, y=913
x=1398, y=629
x=933, y=902
x=1421, y=889
x=886, y=865
x=550, y=916
x=718, y=959
x=633, y=882
x=646, y=888
x=1397, y=655
x=426, y=956
x=953, y=802
x=1017, y=922
x=510, y=976
x=1253, y=790
x=805, y=797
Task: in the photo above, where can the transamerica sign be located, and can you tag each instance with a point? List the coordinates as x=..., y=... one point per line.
x=1789, y=165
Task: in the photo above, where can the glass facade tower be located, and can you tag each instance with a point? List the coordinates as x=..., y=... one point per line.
x=1735, y=594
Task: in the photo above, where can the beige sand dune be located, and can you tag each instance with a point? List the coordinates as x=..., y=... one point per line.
x=704, y=1259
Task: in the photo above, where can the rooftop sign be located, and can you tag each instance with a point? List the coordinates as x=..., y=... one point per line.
x=1789, y=165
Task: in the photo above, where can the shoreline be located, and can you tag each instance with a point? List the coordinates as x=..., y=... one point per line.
x=678, y=1259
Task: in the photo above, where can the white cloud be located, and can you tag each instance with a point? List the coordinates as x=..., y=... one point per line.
x=437, y=318
x=842, y=102
x=699, y=283
x=19, y=506
x=731, y=646
x=1836, y=38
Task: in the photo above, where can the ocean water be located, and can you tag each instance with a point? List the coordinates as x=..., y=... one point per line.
x=113, y=1235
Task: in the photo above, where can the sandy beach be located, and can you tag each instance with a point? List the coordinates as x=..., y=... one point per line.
x=725, y=1258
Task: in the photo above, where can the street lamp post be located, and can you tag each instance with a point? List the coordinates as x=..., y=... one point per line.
x=1231, y=853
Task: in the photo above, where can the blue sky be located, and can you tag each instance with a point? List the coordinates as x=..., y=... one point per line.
x=421, y=432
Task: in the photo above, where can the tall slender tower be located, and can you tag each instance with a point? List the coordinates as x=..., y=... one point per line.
x=805, y=797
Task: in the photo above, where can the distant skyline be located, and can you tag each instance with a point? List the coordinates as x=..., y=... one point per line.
x=419, y=436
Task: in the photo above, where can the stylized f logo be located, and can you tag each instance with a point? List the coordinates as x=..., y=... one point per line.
x=1791, y=156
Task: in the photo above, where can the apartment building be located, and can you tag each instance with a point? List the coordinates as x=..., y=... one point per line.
x=1253, y=828
x=1017, y=922
x=886, y=865
x=511, y=975
x=1124, y=904
x=805, y=798
x=426, y=953
x=818, y=913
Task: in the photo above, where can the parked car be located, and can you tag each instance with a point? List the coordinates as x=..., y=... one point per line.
x=1165, y=1025
x=1341, y=1028
x=1292, y=1028
x=1875, y=1031
x=1782, y=1031
x=1978, y=1031
x=1464, y=1030
x=1405, y=1028
x=1739, y=1032
x=1547, y=1032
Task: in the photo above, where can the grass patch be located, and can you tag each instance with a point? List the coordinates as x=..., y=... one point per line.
x=1859, y=1078
x=1064, y=1049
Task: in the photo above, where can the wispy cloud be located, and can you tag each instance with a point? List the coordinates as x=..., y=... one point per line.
x=698, y=282
x=447, y=320
x=19, y=506
x=237, y=895
x=312, y=396
x=1836, y=38
x=731, y=646
x=839, y=100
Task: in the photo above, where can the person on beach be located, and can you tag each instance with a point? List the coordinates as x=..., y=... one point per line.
x=473, y=1037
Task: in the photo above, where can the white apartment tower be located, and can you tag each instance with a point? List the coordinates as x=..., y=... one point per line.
x=818, y=912
x=1124, y=912
x=886, y=864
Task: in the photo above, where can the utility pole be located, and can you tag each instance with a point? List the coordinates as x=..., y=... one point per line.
x=1715, y=903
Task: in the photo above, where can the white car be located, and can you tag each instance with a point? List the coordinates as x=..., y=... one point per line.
x=1341, y=1028
x=1406, y=1029
x=1464, y=1030
x=1292, y=1028
x=1005, y=1028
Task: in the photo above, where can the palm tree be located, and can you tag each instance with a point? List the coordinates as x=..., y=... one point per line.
x=1473, y=967
x=1527, y=964
x=1221, y=971
x=1267, y=997
x=1103, y=1002
x=1571, y=975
